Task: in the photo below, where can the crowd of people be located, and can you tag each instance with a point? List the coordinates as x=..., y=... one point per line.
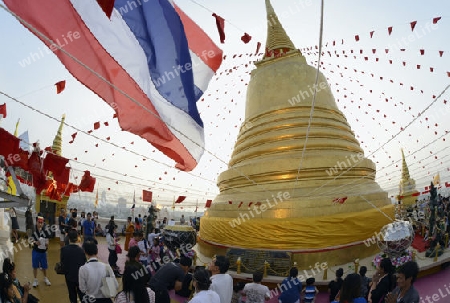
x=386, y=285
x=151, y=271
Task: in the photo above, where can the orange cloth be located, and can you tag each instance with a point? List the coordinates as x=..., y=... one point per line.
x=128, y=234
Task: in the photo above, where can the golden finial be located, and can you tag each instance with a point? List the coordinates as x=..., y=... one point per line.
x=405, y=170
x=277, y=39
x=57, y=142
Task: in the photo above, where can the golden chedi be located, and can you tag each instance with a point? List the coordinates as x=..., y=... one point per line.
x=319, y=204
x=407, y=187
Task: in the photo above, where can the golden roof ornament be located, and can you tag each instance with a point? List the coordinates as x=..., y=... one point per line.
x=405, y=170
x=407, y=187
x=57, y=142
x=278, y=42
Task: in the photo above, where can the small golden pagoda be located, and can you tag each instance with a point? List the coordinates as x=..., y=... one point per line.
x=407, y=187
x=48, y=207
x=319, y=204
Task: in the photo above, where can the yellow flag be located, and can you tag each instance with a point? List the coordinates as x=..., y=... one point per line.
x=437, y=179
x=12, y=190
x=16, y=132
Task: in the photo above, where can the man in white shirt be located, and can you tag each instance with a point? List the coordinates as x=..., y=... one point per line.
x=91, y=274
x=256, y=292
x=222, y=283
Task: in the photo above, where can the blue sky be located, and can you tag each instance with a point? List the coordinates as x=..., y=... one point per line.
x=223, y=107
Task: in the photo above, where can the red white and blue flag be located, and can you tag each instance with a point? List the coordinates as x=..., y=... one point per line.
x=147, y=59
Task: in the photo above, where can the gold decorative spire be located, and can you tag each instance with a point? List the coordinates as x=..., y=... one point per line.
x=405, y=170
x=277, y=39
x=57, y=142
x=408, y=192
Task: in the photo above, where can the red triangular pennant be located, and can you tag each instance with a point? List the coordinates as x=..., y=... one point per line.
x=107, y=6
x=3, y=110
x=413, y=25
x=435, y=20
x=258, y=46
x=180, y=199
x=220, y=23
x=60, y=86
x=390, y=30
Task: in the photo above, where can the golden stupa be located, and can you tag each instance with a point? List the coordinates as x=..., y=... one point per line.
x=57, y=150
x=407, y=187
x=57, y=141
x=318, y=205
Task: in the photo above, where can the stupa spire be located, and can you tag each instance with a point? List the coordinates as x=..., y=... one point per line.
x=405, y=170
x=57, y=142
x=278, y=42
x=408, y=192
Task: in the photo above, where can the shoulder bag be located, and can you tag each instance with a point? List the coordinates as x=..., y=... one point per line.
x=109, y=288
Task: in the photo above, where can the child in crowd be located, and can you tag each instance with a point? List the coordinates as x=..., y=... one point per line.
x=237, y=292
x=310, y=291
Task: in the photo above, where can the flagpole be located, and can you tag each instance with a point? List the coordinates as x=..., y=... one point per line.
x=134, y=205
x=173, y=208
x=196, y=208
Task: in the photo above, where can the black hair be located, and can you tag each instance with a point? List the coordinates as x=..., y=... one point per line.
x=339, y=273
x=363, y=271
x=388, y=268
x=238, y=286
x=90, y=248
x=293, y=272
x=257, y=276
x=223, y=263
x=73, y=235
x=185, y=261
x=351, y=288
x=201, y=276
x=5, y=283
x=134, y=283
x=133, y=252
x=410, y=269
x=8, y=266
x=310, y=281
x=386, y=265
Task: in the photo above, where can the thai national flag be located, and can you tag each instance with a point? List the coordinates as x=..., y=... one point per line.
x=145, y=58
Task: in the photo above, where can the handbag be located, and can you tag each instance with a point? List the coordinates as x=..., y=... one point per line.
x=59, y=268
x=32, y=299
x=109, y=285
x=118, y=249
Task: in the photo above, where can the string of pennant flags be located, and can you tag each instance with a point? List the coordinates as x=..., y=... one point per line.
x=246, y=38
